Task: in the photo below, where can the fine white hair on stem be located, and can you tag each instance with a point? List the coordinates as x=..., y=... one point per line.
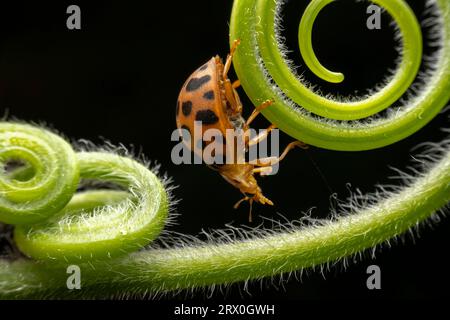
x=83, y=145
x=214, y=260
x=432, y=28
x=430, y=153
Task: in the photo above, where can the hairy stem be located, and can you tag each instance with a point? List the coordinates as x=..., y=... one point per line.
x=191, y=266
x=52, y=222
x=52, y=182
x=101, y=224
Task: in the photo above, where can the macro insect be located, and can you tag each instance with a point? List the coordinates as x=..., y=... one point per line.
x=210, y=97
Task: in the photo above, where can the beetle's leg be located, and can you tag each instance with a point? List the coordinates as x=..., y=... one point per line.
x=264, y=171
x=230, y=58
x=260, y=137
x=250, y=202
x=257, y=110
x=233, y=101
x=270, y=161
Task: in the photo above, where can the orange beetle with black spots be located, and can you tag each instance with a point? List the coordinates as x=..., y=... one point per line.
x=209, y=96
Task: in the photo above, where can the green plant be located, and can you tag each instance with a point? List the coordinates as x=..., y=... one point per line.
x=229, y=256
x=264, y=72
x=95, y=224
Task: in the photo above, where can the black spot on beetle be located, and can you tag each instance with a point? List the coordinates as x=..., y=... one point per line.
x=206, y=117
x=196, y=83
x=186, y=128
x=217, y=155
x=209, y=95
x=186, y=107
x=203, y=67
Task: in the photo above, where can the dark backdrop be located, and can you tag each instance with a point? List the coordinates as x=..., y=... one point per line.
x=118, y=79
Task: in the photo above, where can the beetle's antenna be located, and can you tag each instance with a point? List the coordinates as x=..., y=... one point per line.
x=322, y=176
x=240, y=201
x=250, y=201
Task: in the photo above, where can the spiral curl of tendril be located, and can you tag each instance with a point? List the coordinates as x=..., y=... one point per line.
x=322, y=121
x=53, y=222
x=54, y=177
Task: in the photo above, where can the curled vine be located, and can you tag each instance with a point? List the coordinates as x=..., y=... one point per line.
x=110, y=231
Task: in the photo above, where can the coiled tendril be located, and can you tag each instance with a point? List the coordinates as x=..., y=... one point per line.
x=95, y=224
x=264, y=72
x=367, y=221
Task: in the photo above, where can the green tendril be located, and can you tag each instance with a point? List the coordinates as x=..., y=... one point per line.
x=95, y=224
x=101, y=224
x=265, y=73
x=306, y=49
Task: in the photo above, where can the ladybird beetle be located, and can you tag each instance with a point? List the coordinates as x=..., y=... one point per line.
x=209, y=96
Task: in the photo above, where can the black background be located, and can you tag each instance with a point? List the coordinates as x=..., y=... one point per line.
x=118, y=79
